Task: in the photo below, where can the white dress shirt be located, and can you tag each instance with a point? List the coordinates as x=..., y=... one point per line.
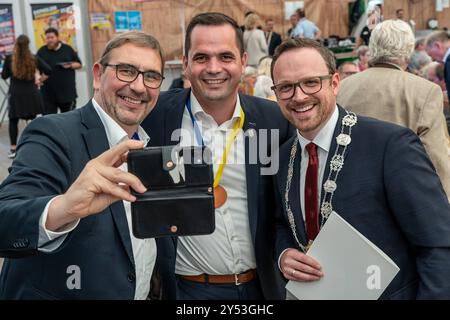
x=144, y=250
x=229, y=249
x=323, y=142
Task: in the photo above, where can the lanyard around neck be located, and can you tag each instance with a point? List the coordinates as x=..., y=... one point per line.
x=236, y=127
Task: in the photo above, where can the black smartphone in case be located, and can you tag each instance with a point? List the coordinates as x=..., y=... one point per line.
x=179, y=199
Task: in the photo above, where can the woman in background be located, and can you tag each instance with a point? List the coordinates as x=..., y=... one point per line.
x=255, y=43
x=25, y=101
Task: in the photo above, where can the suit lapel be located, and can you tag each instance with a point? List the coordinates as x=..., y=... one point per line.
x=174, y=116
x=252, y=167
x=96, y=143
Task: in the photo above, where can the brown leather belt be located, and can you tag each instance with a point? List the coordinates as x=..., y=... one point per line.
x=236, y=279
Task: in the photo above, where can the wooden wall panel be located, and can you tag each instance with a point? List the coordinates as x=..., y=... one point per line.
x=164, y=18
x=418, y=10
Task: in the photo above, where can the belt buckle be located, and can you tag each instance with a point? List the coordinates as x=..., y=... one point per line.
x=236, y=280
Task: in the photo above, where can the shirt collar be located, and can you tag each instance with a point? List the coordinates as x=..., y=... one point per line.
x=325, y=135
x=115, y=133
x=197, y=109
x=446, y=55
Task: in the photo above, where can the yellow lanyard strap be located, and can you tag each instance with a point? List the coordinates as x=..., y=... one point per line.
x=236, y=127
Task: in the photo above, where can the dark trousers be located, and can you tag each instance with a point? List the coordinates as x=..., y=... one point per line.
x=189, y=290
x=13, y=130
x=52, y=106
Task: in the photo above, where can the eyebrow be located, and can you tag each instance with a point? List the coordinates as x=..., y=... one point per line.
x=131, y=65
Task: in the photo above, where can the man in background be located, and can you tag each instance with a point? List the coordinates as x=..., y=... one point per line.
x=59, y=90
x=347, y=68
x=273, y=38
x=387, y=92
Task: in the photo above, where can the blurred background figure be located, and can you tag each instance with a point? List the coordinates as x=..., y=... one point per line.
x=293, y=20
x=25, y=101
x=438, y=47
x=273, y=39
x=264, y=83
x=180, y=83
x=254, y=40
x=59, y=90
x=363, y=54
x=387, y=92
x=248, y=81
x=434, y=72
x=400, y=15
x=347, y=68
x=305, y=28
x=419, y=58
x=373, y=18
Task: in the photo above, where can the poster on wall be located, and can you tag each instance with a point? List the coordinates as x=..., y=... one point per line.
x=127, y=20
x=60, y=16
x=7, y=36
x=100, y=21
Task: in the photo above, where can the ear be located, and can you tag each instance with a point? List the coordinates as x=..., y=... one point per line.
x=185, y=63
x=97, y=70
x=335, y=83
x=244, y=60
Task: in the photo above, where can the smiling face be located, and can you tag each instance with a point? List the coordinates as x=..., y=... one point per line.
x=308, y=113
x=214, y=65
x=127, y=103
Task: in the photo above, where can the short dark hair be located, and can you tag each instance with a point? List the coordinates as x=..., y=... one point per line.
x=300, y=43
x=213, y=19
x=52, y=30
x=301, y=13
x=137, y=38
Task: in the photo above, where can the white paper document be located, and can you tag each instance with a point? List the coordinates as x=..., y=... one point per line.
x=353, y=267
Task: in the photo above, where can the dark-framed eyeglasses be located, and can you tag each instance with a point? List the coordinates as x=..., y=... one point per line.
x=285, y=91
x=128, y=73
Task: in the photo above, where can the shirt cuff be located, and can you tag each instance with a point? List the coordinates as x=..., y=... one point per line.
x=51, y=240
x=279, y=259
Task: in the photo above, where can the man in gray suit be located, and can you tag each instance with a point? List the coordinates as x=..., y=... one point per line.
x=385, y=91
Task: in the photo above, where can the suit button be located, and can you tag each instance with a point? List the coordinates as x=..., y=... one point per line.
x=131, y=277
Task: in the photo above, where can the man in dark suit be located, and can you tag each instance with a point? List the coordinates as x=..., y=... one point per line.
x=438, y=48
x=273, y=38
x=65, y=207
x=375, y=175
x=237, y=260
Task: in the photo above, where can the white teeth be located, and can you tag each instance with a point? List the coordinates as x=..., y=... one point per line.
x=214, y=81
x=130, y=100
x=305, y=108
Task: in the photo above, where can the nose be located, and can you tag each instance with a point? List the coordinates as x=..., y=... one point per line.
x=299, y=95
x=138, y=84
x=213, y=65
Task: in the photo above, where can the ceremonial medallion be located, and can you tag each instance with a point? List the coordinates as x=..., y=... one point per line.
x=220, y=196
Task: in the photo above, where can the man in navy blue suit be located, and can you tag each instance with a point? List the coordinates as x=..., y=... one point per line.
x=65, y=207
x=438, y=47
x=375, y=175
x=237, y=260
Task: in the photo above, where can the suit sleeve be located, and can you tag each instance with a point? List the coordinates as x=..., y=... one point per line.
x=40, y=171
x=433, y=134
x=420, y=207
